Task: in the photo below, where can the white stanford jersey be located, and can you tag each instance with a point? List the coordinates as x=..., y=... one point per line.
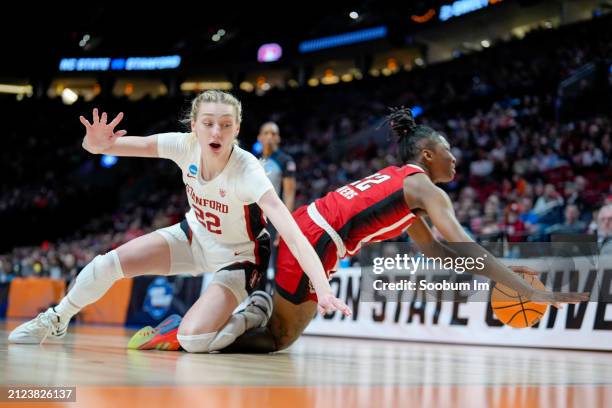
x=224, y=217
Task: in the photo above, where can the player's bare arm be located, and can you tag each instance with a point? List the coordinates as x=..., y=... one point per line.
x=282, y=220
x=420, y=192
x=289, y=187
x=422, y=236
x=101, y=138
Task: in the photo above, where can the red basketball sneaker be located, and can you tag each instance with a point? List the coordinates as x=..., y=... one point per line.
x=162, y=337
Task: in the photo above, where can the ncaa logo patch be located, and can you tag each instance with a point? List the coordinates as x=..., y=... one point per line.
x=158, y=299
x=193, y=169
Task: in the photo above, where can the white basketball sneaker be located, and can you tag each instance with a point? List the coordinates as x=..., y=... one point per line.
x=258, y=311
x=256, y=314
x=45, y=325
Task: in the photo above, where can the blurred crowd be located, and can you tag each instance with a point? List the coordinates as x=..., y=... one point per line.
x=519, y=176
x=525, y=170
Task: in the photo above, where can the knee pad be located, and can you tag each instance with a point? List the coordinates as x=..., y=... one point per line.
x=96, y=278
x=196, y=343
x=104, y=268
x=234, y=280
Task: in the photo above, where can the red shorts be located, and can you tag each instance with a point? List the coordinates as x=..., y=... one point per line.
x=291, y=281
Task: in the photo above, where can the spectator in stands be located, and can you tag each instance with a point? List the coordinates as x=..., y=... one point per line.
x=515, y=228
x=550, y=160
x=527, y=216
x=483, y=166
x=548, y=206
x=604, y=230
x=571, y=224
x=6, y=273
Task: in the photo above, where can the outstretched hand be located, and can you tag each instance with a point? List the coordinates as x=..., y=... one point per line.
x=101, y=135
x=328, y=303
x=555, y=299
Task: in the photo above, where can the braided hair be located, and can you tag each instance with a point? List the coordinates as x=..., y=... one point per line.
x=410, y=136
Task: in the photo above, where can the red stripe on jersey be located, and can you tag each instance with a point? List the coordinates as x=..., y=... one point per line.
x=249, y=227
x=247, y=219
x=256, y=250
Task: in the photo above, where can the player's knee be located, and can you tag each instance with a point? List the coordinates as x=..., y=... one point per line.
x=189, y=327
x=283, y=342
x=196, y=343
x=111, y=261
x=105, y=268
x=283, y=334
x=234, y=281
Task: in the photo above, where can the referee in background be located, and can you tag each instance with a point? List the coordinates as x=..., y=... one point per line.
x=280, y=169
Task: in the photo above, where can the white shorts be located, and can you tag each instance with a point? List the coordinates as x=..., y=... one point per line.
x=232, y=267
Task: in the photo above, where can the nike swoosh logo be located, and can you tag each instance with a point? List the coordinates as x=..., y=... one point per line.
x=189, y=175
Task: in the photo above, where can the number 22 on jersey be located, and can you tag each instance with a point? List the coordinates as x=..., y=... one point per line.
x=364, y=184
x=208, y=219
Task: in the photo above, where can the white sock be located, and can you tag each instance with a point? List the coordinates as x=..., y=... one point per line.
x=196, y=343
x=255, y=317
x=235, y=327
x=91, y=284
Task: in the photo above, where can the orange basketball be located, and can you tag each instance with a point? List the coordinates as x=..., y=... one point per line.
x=515, y=310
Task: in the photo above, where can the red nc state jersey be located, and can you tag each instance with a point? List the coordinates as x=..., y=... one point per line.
x=372, y=209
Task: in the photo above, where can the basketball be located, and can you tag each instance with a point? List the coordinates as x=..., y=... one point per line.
x=515, y=310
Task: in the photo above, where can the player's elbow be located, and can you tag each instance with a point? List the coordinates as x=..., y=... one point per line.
x=283, y=342
x=453, y=231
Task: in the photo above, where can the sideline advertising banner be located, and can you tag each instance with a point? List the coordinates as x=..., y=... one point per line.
x=394, y=297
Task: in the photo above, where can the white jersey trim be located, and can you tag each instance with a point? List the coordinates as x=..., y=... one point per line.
x=318, y=219
x=380, y=232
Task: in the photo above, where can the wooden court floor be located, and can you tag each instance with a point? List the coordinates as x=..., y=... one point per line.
x=315, y=372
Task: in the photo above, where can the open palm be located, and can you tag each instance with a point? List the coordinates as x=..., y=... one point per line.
x=101, y=135
x=328, y=303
